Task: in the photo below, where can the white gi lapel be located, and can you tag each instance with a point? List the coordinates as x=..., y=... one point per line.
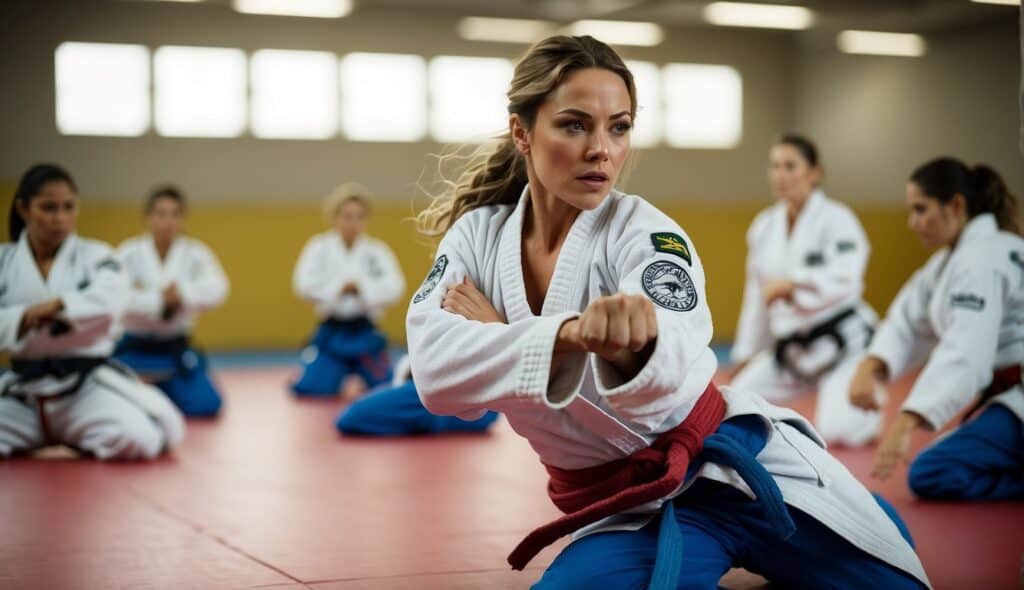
x=34, y=289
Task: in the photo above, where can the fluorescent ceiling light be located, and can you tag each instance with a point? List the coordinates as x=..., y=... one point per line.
x=765, y=16
x=507, y=30
x=102, y=89
x=615, y=32
x=876, y=43
x=314, y=8
x=1005, y=2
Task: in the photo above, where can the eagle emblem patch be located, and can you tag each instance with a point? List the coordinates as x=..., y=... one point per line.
x=668, y=285
x=433, y=278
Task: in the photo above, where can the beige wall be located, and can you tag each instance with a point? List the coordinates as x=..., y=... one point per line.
x=877, y=118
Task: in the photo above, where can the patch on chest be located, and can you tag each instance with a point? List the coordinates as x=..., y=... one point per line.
x=433, y=278
x=967, y=301
x=846, y=246
x=374, y=268
x=668, y=285
x=671, y=243
x=109, y=263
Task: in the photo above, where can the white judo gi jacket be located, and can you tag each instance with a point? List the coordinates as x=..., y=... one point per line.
x=964, y=308
x=189, y=264
x=326, y=265
x=825, y=255
x=86, y=276
x=585, y=415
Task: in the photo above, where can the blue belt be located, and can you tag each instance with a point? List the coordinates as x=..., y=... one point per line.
x=735, y=445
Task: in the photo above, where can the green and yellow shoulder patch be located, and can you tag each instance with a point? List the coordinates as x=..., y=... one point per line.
x=671, y=243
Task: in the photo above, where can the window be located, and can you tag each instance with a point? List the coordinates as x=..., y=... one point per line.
x=468, y=100
x=294, y=94
x=383, y=97
x=200, y=91
x=648, y=124
x=703, y=106
x=102, y=89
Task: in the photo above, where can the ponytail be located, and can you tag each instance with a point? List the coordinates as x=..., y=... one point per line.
x=492, y=174
x=992, y=196
x=31, y=184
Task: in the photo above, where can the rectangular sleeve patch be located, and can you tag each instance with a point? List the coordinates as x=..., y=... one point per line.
x=967, y=301
x=671, y=243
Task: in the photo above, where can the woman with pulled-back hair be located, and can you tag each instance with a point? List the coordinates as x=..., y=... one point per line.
x=61, y=297
x=579, y=312
x=962, y=311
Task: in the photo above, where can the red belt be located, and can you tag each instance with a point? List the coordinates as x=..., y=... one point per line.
x=588, y=495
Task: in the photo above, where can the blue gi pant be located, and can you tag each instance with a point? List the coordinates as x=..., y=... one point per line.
x=338, y=349
x=716, y=527
x=981, y=460
x=396, y=411
x=179, y=370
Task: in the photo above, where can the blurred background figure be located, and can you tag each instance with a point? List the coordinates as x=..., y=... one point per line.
x=60, y=299
x=963, y=312
x=173, y=278
x=351, y=278
x=804, y=323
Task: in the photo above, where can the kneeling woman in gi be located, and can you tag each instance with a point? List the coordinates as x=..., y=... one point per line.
x=352, y=279
x=603, y=364
x=804, y=324
x=60, y=299
x=173, y=278
x=964, y=312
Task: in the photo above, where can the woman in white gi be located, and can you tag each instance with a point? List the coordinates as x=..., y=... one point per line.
x=174, y=278
x=964, y=312
x=603, y=363
x=804, y=324
x=60, y=297
x=352, y=279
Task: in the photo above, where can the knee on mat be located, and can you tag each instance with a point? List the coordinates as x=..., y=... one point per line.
x=931, y=477
x=195, y=396
x=125, y=441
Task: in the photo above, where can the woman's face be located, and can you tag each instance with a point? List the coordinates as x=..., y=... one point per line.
x=791, y=176
x=935, y=223
x=580, y=138
x=51, y=215
x=350, y=220
x=165, y=218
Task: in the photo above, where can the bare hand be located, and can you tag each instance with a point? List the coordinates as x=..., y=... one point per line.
x=39, y=315
x=865, y=384
x=467, y=301
x=895, y=445
x=618, y=328
x=777, y=289
x=350, y=289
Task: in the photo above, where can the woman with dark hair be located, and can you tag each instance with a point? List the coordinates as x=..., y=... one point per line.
x=60, y=299
x=804, y=324
x=963, y=312
x=595, y=347
x=173, y=278
x=351, y=278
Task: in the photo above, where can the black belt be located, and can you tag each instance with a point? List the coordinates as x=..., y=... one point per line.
x=359, y=323
x=61, y=367
x=827, y=329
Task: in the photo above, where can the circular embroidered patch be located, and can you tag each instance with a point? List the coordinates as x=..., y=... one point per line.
x=668, y=285
x=433, y=278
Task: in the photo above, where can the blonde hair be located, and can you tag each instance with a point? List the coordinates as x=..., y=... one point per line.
x=495, y=173
x=350, y=191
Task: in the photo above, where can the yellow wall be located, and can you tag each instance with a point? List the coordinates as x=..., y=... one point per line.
x=259, y=243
